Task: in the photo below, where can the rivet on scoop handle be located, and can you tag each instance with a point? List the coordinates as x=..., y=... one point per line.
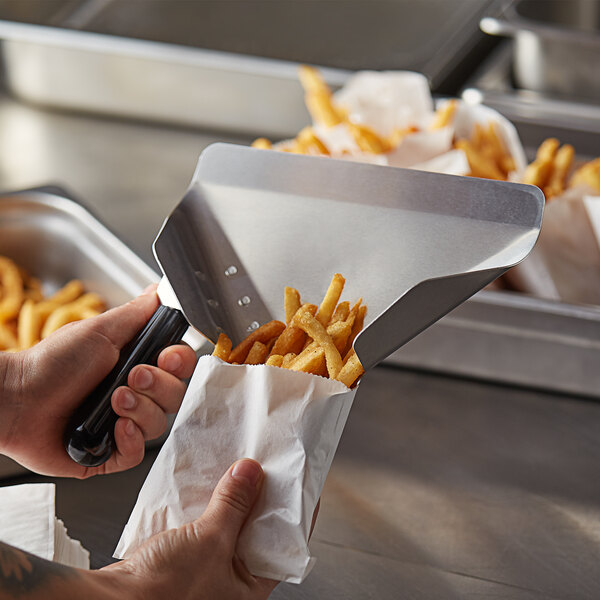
x=90, y=436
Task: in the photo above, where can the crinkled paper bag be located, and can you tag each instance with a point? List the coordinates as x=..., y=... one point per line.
x=289, y=422
x=565, y=263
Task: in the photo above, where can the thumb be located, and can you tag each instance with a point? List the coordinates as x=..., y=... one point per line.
x=234, y=498
x=120, y=324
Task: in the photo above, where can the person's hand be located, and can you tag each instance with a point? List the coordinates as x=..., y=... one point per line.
x=42, y=386
x=199, y=560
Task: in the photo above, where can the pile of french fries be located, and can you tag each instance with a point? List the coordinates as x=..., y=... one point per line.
x=552, y=166
x=26, y=316
x=485, y=150
x=313, y=339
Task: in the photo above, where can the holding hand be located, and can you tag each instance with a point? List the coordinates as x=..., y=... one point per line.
x=41, y=387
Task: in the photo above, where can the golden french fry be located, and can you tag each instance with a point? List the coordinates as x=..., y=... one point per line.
x=310, y=360
x=73, y=311
x=321, y=109
x=29, y=325
x=262, y=143
x=357, y=326
x=341, y=312
x=11, y=284
x=310, y=143
x=291, y=303
x=288, y=359
x=263, y=334
x=444, y=114
x=318, y=333
x=8, y=339
x=257, y=354
x=588, y=174
x=562, y=165
x=222, y=347
x=291, y=340
x=538, y=172
x=339, y=332
x=547, y=150
x=480, y=165
x=367, y=140
x=70, y=292
x=312, y=80
x=275, y=360
x=351, y=370
x=330, y=300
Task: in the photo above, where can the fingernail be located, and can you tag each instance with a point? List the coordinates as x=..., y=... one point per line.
x=247, y=470
x=172, y=362
x=143, y=379
x=127, y=400
x=129, y=427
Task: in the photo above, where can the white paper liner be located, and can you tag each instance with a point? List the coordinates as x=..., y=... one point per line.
x=289, y=422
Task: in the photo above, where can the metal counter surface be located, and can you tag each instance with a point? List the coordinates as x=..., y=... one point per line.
x=441, y=488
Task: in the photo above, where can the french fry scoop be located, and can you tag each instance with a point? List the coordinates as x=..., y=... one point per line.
x=414, y=245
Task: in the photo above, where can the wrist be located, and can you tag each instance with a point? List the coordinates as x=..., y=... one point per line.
x=118, y=582
x=10, y=395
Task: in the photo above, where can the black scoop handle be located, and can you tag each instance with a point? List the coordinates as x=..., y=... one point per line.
x=90, y=435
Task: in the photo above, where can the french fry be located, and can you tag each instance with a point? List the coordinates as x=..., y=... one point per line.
x=73, y=311
x=70, y=292
x=588, y=174
x=480, y=165
x=288, y=359
x=263, y=334
x=275, y=360
x=310, y=143
x=321, y=109
x=351, y=370
x=12, y=289
x=356, y=326
x=339, y=333
x=291, y=303
x=222, y=348
x=310, y=360
x=341, y=312
x=367, y=140
x=318, y=333
x=257, y=354
x=330, y=300
x=562, y=165
x=8, y=339
x=262, y=143
x=292, y=339
x=29, y=325
x=443, y=115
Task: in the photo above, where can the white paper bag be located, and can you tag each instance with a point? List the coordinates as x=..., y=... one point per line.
x=289, y=422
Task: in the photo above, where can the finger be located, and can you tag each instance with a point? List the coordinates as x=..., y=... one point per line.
x=145, y=413
x=233, y=499
x=130, y=446
x=178, y=360
x=161, y=387
x=120, y=324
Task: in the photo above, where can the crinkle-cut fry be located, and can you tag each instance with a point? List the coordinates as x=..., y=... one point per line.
x=275, y=360
x=8, y=339
x=222, y=348
x=321, y=109
x=257, y=354
x=29, y=325
x=341, y=312
x=310, y=360
x=332, y=296
x=68, y=293
x=480, y=165
x=351, y=370
x=367, y=140
x=262, y=144
x=291, y=303
x=287, y=360
x=11, y=289
x=588, y=174
x=73, y=311
x=33, y=288
x=263, y=334
x=318, y=333
x=562, y=165
x=356, y=326
x=444, y=115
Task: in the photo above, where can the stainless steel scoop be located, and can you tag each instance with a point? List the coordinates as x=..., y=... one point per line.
x=414, y=245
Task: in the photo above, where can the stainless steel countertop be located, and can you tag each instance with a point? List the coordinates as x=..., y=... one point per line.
x=441, y=488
